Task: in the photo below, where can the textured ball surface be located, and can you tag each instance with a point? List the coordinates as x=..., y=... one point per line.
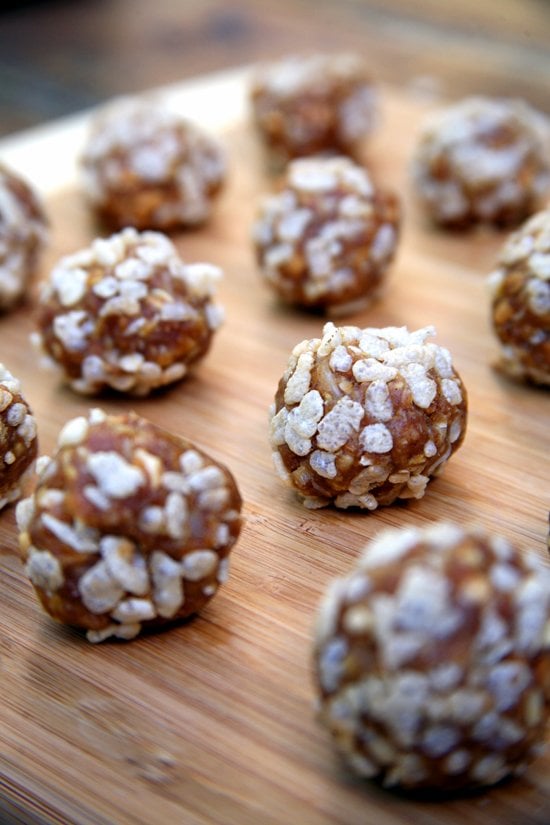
x=129, y=526
x=363, y=417
x=128, y=314
x=18, y=439
x=310, y=104
x=146, y=166
x=432, y=659
x=23, y=234
x=482, y=160
x=327, y=238
x=520, y=301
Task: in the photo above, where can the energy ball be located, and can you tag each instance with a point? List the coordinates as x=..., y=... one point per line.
x=520, y=309
x=18, y=441
x=363, y=417
x=482, y=160
x=129, y=526
x=23, y=233
x=310, y=104
x=127, y=313
x=326, y=239
x=147, y=167
x=432, y=659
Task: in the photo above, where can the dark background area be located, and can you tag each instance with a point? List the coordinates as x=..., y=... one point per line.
x=61, y=56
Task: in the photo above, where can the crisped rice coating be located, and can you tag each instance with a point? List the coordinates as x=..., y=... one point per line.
x=432, y=659
x=18, y=439
x=520, y=301
x=129, y=526
x=311, y=104
x=482, y=160
x=146, y=166
x=127, y=314
x=23, y=235
x=326, y=239
x=363, y=417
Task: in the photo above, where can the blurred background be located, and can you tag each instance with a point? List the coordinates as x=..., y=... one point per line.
x=61, y=56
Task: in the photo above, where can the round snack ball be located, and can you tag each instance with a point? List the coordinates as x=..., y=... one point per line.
x=520, y=309
x=129, y=526
x=18, y=441
x=146, y=166
x=432, y=659
x=363, y=417
x=127, y=313
x=482, y=160
x=309, y=104
x=23, y=232
x=326, y=239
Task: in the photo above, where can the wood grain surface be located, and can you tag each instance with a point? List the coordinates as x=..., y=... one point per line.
x=213, y=721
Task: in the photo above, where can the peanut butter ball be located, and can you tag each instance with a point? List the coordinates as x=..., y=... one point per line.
x=127, y=314
x=363, y=417
x=129, y=526
x=432, y=659
x=326, y=239
x=520, y=301
x=23, y=234
x=482, y=160
x=146, y=166
x=18, y=439
x=312, y=104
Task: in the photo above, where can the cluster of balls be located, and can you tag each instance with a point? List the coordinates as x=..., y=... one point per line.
x=126, y=313
x=433, y=657
x=128, y=526
x=325, y=240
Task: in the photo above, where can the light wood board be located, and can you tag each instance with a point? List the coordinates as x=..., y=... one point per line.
x=213, y=721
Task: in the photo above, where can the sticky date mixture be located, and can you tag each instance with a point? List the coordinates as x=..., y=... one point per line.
x=129, y=526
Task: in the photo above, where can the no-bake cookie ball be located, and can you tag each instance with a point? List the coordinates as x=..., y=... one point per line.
x=326, y=239
x=23, y=234
x=520, y=309
x=432, y=659
x=309, y=104
x=146, y=166
x=482, y=160
x=363, y=417
x=18, y=440
x=128, y=314
x=129, y=526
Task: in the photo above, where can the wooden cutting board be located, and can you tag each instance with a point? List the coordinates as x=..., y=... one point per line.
x=213, y=721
